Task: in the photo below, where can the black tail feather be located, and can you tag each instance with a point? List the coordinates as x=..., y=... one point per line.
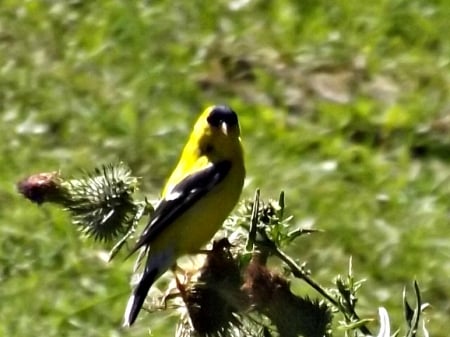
x=137, y=299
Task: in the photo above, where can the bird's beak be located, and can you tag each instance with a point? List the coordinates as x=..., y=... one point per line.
x=224, y=128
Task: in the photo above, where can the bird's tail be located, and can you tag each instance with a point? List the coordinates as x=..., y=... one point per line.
x=156, y=265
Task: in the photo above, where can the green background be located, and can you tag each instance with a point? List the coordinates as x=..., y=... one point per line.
x=344, y=105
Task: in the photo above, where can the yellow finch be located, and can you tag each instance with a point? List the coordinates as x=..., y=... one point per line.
x=197, y=198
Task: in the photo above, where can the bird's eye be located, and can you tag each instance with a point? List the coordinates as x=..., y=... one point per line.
x=208, y=148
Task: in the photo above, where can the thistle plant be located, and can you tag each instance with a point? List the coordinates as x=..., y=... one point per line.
x=235, y=292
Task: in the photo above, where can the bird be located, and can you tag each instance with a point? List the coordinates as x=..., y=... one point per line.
x=198, y=196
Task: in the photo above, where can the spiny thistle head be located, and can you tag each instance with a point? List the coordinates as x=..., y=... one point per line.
x=102, y=203
x=267, y=213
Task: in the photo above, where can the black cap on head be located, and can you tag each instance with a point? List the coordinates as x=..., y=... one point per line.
x=222, y=114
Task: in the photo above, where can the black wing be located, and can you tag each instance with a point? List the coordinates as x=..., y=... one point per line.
x=181, y=198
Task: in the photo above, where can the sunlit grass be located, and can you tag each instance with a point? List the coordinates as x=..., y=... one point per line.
x=344, y=105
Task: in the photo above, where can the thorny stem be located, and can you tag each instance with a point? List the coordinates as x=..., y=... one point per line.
x=267, y=245
x=298, y=272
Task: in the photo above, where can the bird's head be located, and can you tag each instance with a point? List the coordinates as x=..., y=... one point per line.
x=218, y=128
x=223, y=118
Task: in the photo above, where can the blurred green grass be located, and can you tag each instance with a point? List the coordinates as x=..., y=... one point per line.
x=343, y=104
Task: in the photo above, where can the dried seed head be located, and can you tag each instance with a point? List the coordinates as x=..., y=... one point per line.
x=292, y=315
x=214, y=300
x=42, y=187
